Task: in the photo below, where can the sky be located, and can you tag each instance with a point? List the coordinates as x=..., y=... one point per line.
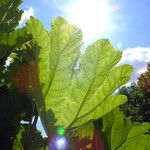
x=126, y=23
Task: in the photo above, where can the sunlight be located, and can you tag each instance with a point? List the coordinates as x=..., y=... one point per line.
x=92, y=16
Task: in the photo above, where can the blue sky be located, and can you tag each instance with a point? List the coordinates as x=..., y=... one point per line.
x=128, y=29
x=132, y=16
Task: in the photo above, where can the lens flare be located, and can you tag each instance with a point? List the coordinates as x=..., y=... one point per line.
x=60, y=131
x=58, y=143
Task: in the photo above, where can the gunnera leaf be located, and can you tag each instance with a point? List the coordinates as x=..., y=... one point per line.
x=75, y=96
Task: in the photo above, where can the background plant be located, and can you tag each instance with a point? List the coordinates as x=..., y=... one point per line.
x=138, y=104
x=15, y=104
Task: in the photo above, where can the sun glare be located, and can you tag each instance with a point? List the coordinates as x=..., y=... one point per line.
x=92, y=16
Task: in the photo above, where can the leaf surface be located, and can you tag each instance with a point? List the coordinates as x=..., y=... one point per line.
x=120, y=129
x=91, y=89
x=137, y=130
x=55, y=54
x=123, y=134
x=140, y=142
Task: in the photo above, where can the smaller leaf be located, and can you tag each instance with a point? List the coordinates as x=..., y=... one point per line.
x=138, y=130
x=120, y=129
x=138, y=143
x=124, y=134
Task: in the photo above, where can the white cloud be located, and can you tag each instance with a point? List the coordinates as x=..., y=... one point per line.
x=138, y=57
x=26, y=15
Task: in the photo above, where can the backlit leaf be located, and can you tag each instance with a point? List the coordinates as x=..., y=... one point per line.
x=75, y=97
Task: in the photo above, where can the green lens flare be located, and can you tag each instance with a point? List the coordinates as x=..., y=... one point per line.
x=61, y=131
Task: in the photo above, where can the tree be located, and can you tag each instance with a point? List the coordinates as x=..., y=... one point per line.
x=144, y=81
x=138, y=104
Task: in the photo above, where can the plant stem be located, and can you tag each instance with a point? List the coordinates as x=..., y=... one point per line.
x=32, y=127
x=45, y=144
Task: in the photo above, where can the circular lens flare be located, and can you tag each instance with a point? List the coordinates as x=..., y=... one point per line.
x=61, y=143
x=58, y=143
x=60, y=131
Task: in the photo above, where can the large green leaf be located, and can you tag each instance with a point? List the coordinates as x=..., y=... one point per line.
x=9, y=15
x=74, y=96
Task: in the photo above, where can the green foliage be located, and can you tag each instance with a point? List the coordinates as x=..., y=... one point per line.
x=138, y=103
x=144, y=81
x=122, y=134
x=9, y=15
x=75, y=96
x=37, y=142
x=10, y=42
x=15, y=104
x=17, y=144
